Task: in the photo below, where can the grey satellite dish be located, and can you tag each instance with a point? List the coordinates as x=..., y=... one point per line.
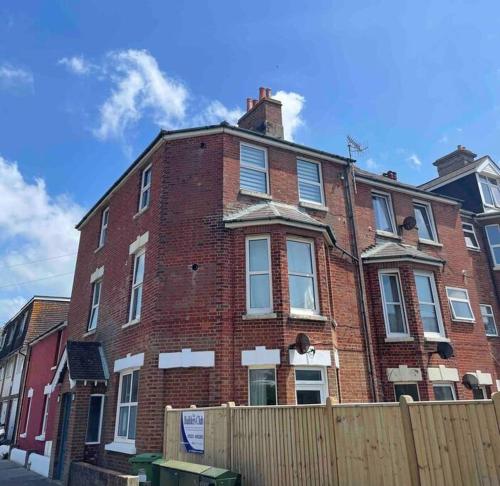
x=302, y=343
x=470, y=381
x=409, y=223
x=445, y=350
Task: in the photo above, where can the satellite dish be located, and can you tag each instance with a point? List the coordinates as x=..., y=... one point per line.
x=445, y=350
x=409, y=223
x=302, y=343
x=470, y=381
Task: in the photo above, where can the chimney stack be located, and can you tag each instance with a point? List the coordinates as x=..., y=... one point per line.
x=263, y=115
x=390, y=174
x=454, y=160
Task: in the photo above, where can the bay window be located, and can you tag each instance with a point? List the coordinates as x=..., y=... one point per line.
x=428, y=301
x=258, y=274
x=392, y=301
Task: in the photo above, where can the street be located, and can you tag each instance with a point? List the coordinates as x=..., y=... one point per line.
x=13, y=474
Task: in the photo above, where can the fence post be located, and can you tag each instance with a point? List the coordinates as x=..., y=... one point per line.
x=229, y=453
x=165, y=430
x=496, y=403
x=330, y=403
x=411, y=450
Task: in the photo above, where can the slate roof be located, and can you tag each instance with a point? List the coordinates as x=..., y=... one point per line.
x=269, y=211
x=86, y=361
x=398, y=251
x=465, y=170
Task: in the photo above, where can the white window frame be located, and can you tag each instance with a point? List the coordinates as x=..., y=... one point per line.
x=389, y=333
x=489, y=314
x=436, y=303
x=137, y=255
x=492, y=247
x=297, y=310
x=100, y=419
x=45, y=416
x=406, y=383
x=473, y=231
x=258, y=310
x=320, y=183
x=25, y=432
x=253, y=167
x=483, y=391
x=117, y=438
x=444, y=384
x=93, y=306
x=489, y=184
x=23, y=323
x=390, y=209
x=263, y=367
x=430, y=215
x=312, y=385
x=145, y=188
x=450, y=299
x=104, y=227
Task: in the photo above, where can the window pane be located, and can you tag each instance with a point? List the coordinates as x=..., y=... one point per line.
x=253, y=180
x=488, y=321
x=424, y=288
x=462, y=310
x=470, y=240
x=310, y=192
x=301, y=292
x=259, y=255
x=97, y=292
x=496, y=255
x=139, y=269
x=262, y=387
x=135, y=384
x=132, y=422
x=493, y=234
x=391, y=288
x=429, y=318
x=308, y=397
x=259, y=292
x=308, y=171
x=146, y=177
x=382, y=216
x=122, y=422
x=253, y=156
x=299, y=257
x=406, y=389
x=93, y=318
x=488, y=197
x=94, y=419
x=308, y=375
x=423, y=223
x=457, y=294
x=443, y=393
x=136, y=303
x=478, y=394
x=126, y=382
x=395, y=316
x=145, y=199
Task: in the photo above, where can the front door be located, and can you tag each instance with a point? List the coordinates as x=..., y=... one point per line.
x=62, y=435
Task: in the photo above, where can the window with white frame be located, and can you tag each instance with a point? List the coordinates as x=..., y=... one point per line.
x=479, y=393
x=104, y=227
x=488, y=320
x=493, y=234
x=126, y=414
x=258, y=275
x=428, y=301
x=470, y=236
x=137, y=280
x=392, y=300
x=310, y=181
x=302, y=276
x=410, y=389
x=94, y=420
x=23, y=323
x=94, y=311
x=145, y=188
x=262, y=386
x=425, y=221
x=27, y=416
x=311, y=386
x=461, y=309
x=45, y=416
x=382, y=207
x=254, y=174
x=490, y=191
x=444, y=391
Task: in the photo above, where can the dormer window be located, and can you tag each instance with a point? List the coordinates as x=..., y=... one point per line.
x=490, y=191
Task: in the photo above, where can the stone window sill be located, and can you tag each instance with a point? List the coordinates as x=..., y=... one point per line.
x=122, y=447
x=99, y=248
x=385, y=234
x=261, y=195
x=251, y=317
x=40, y=438
x=22, y=436
x=430, y=243
x=402, y=339
x=131, y=323
x=89, y=333
x=308, y=317
x=436, y=339
x=311, y=205
x=140, y=212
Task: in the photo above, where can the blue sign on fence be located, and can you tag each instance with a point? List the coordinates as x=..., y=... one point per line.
x=193, y=431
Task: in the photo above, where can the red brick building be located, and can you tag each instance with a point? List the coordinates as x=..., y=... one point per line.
x=201, y=266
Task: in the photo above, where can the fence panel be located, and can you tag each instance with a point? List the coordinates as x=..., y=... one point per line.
x=456, y=442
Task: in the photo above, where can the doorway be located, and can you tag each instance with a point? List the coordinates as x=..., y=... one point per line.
x=62, y=435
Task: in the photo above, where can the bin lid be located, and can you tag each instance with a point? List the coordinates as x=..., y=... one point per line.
x=181, y=466
x=218, y=473
x=146, y=457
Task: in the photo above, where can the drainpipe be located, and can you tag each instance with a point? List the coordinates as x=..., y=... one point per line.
x=361, y=288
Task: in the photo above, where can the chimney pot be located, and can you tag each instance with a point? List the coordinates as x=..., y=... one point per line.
x=262, y=93
x=249, y=104
x=268, y=93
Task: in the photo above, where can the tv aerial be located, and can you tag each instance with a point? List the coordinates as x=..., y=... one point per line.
x=354, y=146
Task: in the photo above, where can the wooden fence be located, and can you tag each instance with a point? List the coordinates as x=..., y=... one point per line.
x=406, y=443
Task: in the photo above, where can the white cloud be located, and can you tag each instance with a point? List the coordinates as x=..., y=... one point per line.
x=139, y=88
x=293, y=104
x=444, y=139
x=372, y=164
x=38, y=228
x=414, y=161
x=12, y=76
x=76, y=64
x=216, y=112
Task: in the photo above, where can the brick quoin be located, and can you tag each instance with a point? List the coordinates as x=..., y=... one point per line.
x=194, y=293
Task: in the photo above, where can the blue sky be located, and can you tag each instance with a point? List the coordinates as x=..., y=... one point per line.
x=84, y=87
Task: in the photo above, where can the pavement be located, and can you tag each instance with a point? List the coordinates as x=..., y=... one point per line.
x=12, y=474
